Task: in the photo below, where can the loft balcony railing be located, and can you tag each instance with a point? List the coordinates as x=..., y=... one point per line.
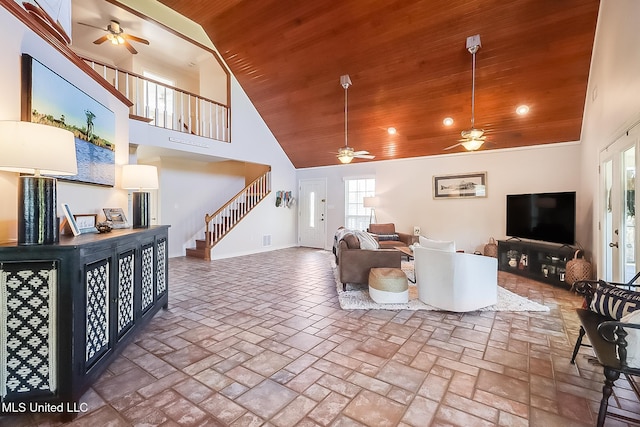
x=168, y=107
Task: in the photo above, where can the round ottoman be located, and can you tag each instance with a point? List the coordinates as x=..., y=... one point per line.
x=388, y=285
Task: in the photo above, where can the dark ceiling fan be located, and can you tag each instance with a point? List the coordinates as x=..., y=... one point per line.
x=117, y=36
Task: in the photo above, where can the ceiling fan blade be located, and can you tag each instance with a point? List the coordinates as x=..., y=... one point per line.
x=92, y=26
x=129, y=47
x=134, y=38
x=358, y=153
x=101, y=40
x=364, y=156
x=453, y=146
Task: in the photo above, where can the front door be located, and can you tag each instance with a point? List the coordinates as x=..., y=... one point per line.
x=312, y=231
x=617, y=216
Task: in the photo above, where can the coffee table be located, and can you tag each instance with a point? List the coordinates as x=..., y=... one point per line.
x=406, y=251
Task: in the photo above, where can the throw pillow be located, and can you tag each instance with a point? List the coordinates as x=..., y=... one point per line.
x=633, y=339
x=367, y=241
x=352, y=241
x=442, y=245
x=614, y=302
x=383, y=237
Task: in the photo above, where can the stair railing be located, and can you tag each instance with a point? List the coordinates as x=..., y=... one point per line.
x=224, y=219
x=166, y=106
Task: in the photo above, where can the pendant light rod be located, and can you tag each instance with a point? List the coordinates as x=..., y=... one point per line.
x=473, y=44
x=345, y=82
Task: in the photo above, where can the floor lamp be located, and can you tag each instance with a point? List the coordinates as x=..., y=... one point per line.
x=32, y=148
x=373, y=203
x=140, y=177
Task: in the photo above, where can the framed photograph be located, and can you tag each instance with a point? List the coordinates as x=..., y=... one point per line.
x=86, y=223
x=460, y=185
x=49, y=99
x=69, y=220
x=116, y=216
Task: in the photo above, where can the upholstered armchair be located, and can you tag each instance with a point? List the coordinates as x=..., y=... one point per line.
x=455, y=281
x=388, y=237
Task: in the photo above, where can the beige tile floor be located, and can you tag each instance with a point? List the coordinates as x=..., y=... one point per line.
x=260, y=340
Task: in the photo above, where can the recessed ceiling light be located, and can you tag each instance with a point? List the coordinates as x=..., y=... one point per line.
x=448, y=121
x=391, y=131
x=522, y=110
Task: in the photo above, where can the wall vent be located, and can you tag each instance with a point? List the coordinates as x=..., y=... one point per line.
x=266, y=240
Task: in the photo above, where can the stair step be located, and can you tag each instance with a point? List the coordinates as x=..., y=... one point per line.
x=196, y=253
x=201, y=244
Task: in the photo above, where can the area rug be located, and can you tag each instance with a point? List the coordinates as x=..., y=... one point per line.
x=356, y=297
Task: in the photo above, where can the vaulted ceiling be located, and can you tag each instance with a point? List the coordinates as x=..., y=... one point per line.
x=410, y=69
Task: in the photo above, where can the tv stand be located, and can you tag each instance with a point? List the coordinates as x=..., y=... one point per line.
x=544, y=262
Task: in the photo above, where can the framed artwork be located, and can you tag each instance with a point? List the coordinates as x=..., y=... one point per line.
x=69, y=220
x=86, y=223
x=116, y=216
x=460, y=186
x=49, y=99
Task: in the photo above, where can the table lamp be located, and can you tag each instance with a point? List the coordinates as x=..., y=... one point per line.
x=373, y=203
x=140, y=177
x=32, y=148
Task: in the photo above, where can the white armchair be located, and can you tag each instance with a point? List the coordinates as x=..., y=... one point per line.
x=454, y=281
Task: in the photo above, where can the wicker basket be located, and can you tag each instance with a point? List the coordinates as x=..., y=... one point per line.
x=491, y=248
x=578, y=268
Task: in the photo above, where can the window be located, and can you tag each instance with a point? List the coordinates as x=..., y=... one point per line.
x=356, y=215
x=159, y=100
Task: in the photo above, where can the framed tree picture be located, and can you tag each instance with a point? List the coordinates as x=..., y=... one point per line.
x=49, y=99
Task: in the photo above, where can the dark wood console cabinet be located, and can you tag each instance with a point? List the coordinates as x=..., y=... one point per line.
x=67, y=309
x=544, y=262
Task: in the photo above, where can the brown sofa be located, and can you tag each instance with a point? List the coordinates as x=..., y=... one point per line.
x=388, y=237
x=354, y=263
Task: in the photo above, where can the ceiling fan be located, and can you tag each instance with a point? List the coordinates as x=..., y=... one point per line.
x=472, y=139
x=346, y=154
x=116, y=35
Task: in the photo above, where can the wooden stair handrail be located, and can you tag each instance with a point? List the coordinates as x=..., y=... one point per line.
x=208, y=217
x=229, y=215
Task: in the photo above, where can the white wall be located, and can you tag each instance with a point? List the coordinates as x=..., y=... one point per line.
x=612, y=102
x=406, y=193
x=190, y=189
x=17, y=39
x=251, y=141
x=213, y=80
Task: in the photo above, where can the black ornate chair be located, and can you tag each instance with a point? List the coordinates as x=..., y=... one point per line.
x=608, y=340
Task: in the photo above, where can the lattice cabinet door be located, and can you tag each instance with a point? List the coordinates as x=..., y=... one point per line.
x=97, y=290
x=125, y=283
x=147, y=293
x=161, y=268
x=27, y=328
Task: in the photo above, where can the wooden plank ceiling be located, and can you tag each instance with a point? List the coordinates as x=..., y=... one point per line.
x=409, y=67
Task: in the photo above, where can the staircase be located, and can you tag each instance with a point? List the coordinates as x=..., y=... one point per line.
x=219, y=223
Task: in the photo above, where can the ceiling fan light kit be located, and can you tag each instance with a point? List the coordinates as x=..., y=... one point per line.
x=117, y=36
x=346, y=154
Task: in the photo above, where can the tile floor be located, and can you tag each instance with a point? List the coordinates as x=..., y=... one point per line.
x=260, y=340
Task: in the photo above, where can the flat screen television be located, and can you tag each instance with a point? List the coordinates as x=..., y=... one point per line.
x=548, y=217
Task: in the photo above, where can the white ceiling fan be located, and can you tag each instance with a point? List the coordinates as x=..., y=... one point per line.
x=346, y=154
x=472, y=139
